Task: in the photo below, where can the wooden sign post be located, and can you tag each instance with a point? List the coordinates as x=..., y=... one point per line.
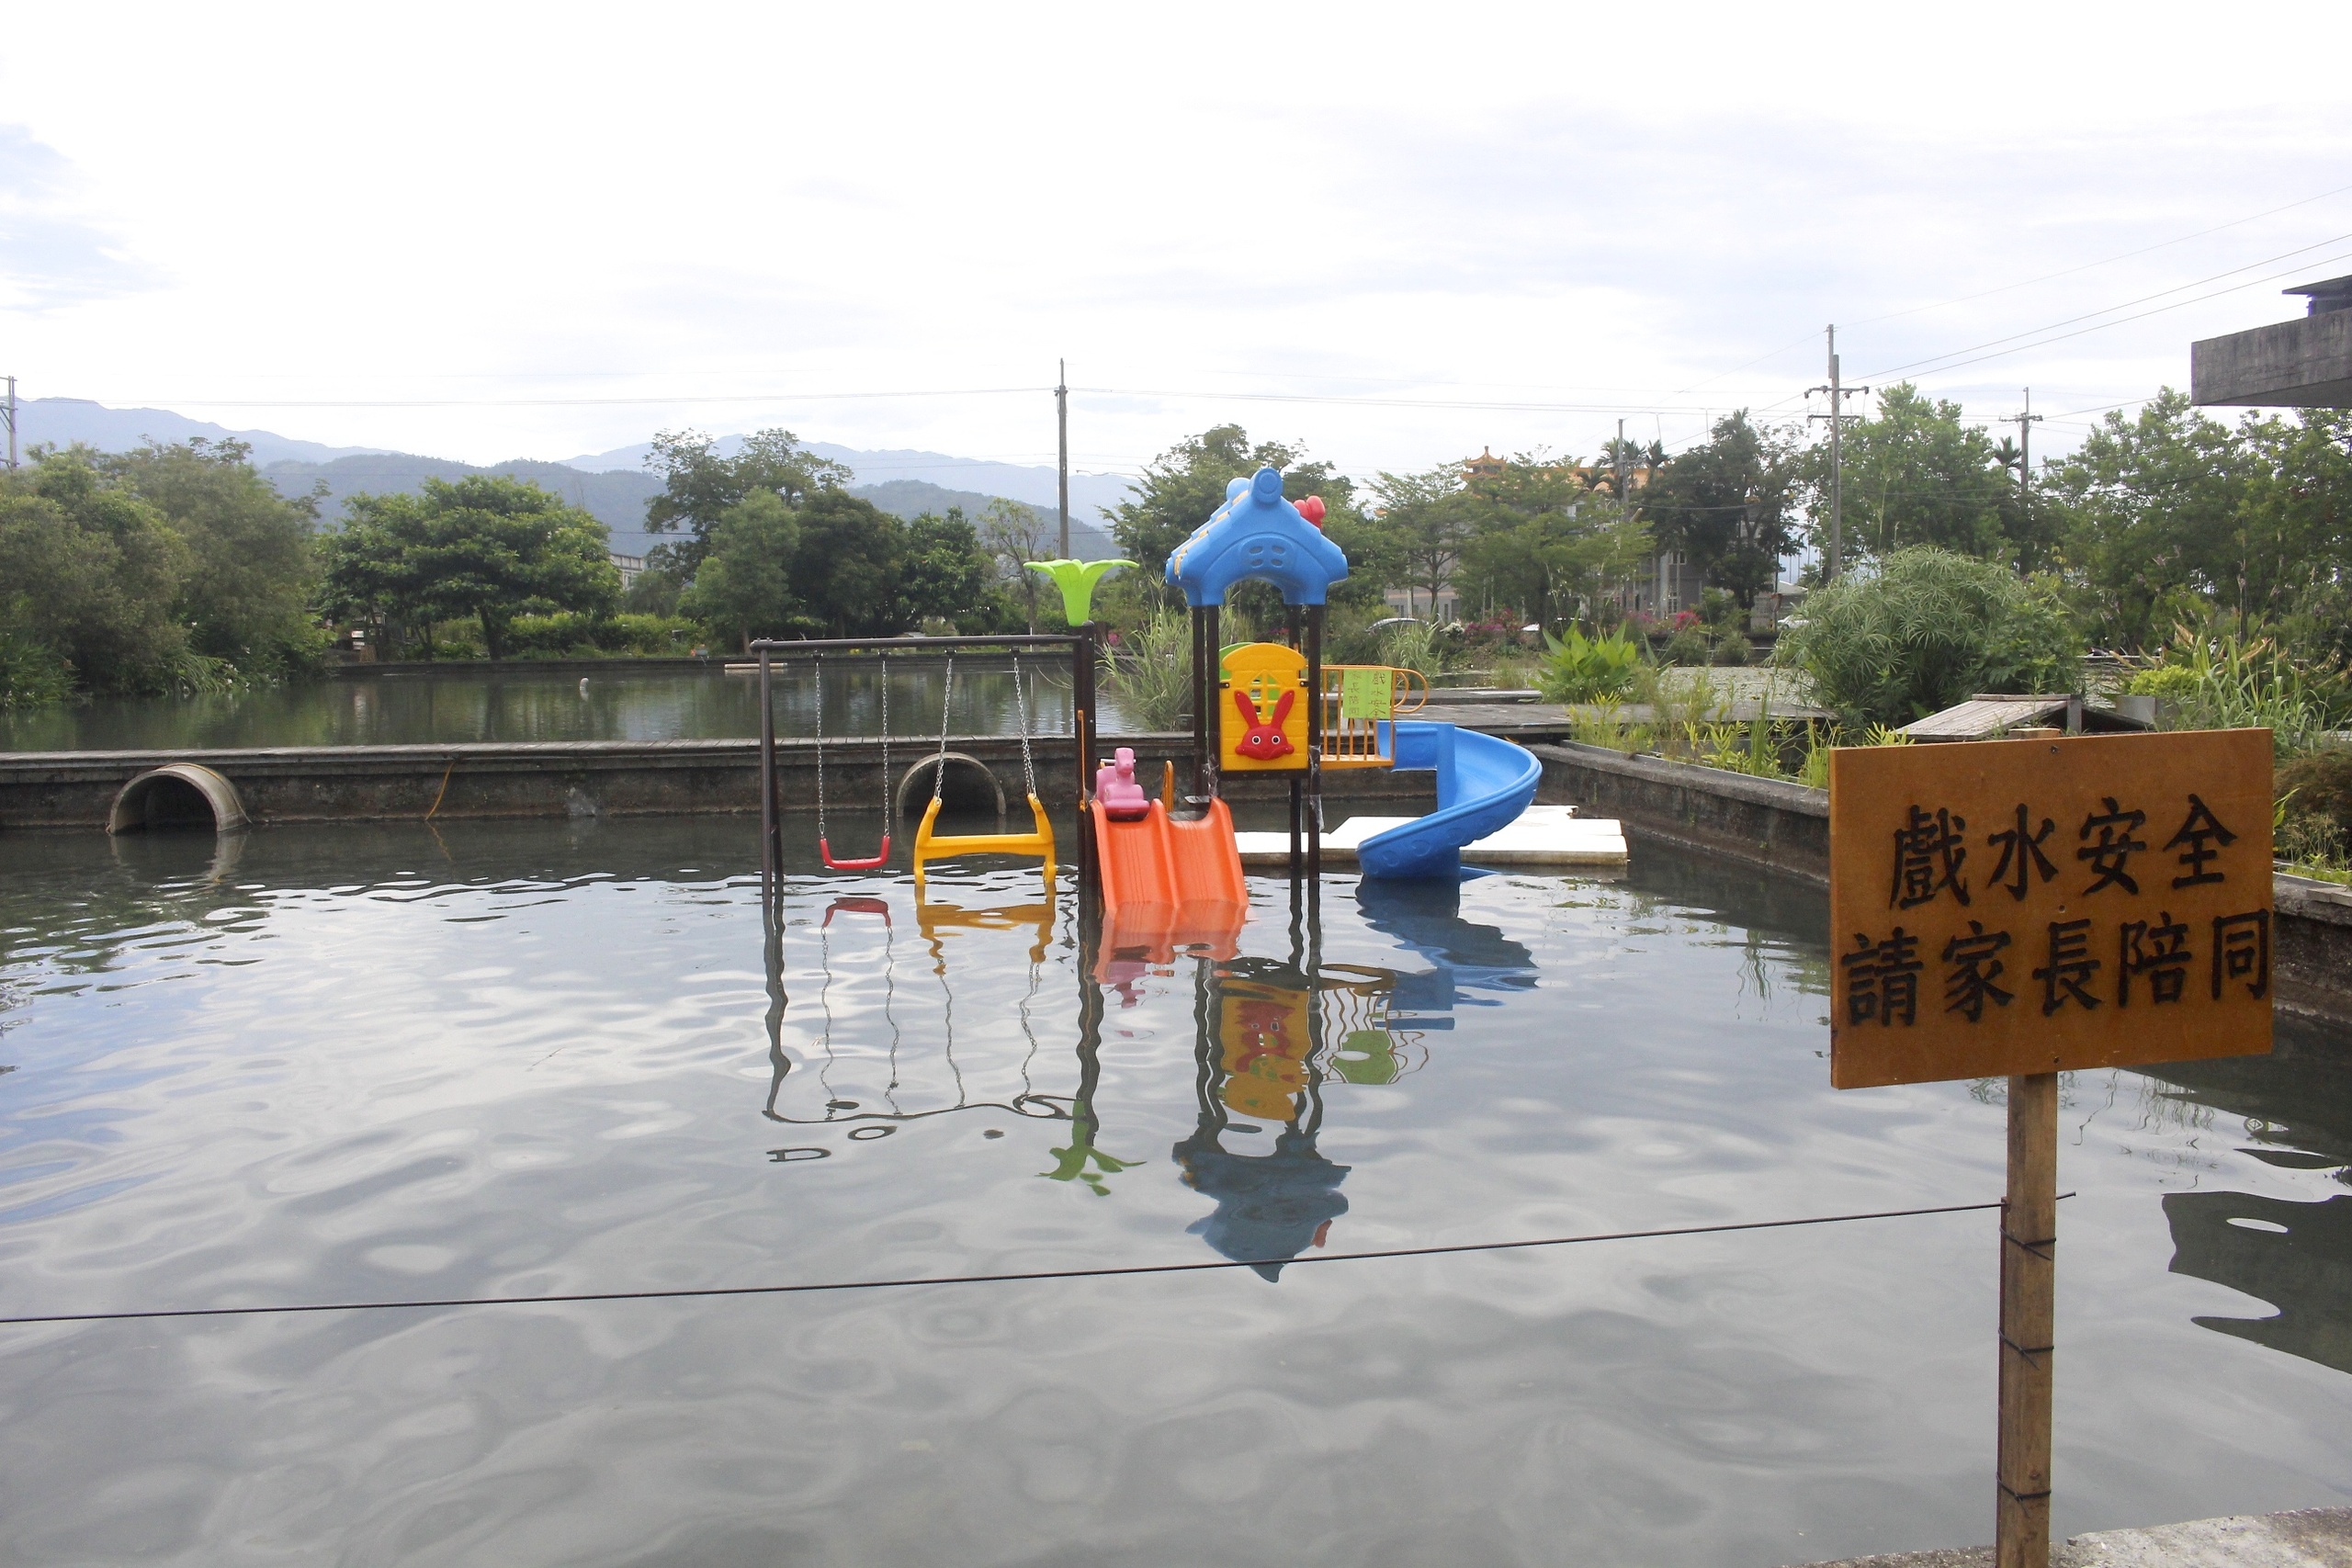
x=2020, y=908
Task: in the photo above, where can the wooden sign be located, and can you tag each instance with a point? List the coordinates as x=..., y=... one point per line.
x=2017, y=906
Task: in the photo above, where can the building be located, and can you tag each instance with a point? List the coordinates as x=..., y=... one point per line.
x=629, y=566
x=2301, y=363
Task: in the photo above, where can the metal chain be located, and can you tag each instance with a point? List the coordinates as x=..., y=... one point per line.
x=1020, y=708
x=820, y=748
x=946, y=705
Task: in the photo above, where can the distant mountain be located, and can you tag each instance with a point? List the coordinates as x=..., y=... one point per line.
x=912, y=498
x=61, y=421
x=1090, y=495
x=612, y=486
x=616, y=499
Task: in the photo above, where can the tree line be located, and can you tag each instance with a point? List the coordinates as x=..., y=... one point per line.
x=179, y=568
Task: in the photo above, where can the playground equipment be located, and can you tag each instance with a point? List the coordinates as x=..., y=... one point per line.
x=1079, y=644
x=1115, y=785
x=1040, y=842
x=824, y=842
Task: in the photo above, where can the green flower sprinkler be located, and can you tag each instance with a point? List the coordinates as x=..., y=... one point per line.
x=1076, y=579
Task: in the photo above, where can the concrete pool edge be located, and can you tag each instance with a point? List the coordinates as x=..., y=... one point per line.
x=1784, y=827
x=2301, y=1537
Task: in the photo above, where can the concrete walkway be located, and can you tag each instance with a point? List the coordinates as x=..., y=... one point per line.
x=2309, y=1538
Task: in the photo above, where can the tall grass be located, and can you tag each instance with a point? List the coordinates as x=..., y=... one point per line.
x=1151, y=671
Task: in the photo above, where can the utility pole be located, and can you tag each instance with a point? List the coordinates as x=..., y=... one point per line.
x=12, y=424
x=1061, y=416
x=2025, y=423
x=1837, y=419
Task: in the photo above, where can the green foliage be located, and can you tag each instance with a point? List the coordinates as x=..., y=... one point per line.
x=1151, y=671
x=91, y=572
x=1729, y=504
x=699, y=487
x=1184, y=484
x=31, y=674
x=2231, y=682
x=655, y=592
x=1578, y=669
x=250, y=570
x=1421, y=525
x=1013, y=535
x=2170, y=512
x=1541, y=542
x=485, y=547
x=943, y=571
x=1917, y=475
x=1930, y=628
x=1417, y=645
x=744, y=588
x=573, y=635
x=2166, y=682
x=845, y=568
x=1688, y=647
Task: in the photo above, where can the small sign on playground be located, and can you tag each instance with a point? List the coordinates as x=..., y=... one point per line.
x=2017, y=907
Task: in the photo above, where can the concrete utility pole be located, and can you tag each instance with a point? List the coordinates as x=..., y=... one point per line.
x=1837, y=419
x=12, y=424
x=2025, y=423
x=1061, y=417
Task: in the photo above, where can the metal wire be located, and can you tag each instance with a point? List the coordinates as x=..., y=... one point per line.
x=716, y=1292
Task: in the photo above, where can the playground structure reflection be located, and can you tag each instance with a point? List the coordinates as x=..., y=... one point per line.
x=1270, y=1036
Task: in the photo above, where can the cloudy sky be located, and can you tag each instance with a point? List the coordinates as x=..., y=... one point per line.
x=1397, y=234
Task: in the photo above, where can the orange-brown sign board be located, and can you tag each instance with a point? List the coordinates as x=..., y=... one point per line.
x=2010, y=907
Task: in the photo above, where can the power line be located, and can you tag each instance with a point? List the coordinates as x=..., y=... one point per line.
x=2070, y=320
x=716, y=1292
x=2086, y=267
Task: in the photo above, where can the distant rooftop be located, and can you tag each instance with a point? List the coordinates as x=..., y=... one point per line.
x=2335, y=294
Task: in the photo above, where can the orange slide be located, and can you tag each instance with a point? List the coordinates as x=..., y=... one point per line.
x=1168, y=885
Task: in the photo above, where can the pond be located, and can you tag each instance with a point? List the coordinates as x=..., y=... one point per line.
x=518, y=703
x=382, y=1065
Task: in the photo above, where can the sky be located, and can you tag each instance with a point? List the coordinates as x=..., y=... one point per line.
x=1396, y=235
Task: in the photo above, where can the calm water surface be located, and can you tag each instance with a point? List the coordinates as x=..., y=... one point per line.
x=377, y=1063
x=480, y=703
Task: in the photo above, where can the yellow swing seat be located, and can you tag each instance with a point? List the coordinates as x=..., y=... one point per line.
x=931, y=847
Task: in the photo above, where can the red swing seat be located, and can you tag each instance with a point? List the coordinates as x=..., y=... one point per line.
x=833, y=861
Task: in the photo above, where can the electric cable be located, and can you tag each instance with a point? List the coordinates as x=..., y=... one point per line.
x=707, y=1292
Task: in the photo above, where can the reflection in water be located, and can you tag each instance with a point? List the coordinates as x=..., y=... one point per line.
x=1471, y=965
x=906, y=1093
x=2298, y=1256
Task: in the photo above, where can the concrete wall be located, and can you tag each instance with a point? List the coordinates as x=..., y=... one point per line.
x=1786, y=827
x=1763, y=821
x=318, y=784
x=2299, y=363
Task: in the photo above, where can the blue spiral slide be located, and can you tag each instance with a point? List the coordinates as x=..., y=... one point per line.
x=1482, y=784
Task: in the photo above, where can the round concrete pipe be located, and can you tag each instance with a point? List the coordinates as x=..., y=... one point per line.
x=960, y=790
x=178, y=796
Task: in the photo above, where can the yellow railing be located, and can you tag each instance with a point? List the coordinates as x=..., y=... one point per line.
x=1352, y=741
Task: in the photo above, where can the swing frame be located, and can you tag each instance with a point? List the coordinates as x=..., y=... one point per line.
x=1079, y=645
x=930, y=846
x=824, y=845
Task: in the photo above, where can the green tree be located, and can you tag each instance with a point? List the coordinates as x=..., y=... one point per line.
x=1915, y=475
x=1014, y=534
x=1541, y=542
x=250, y=570
x=1184, y=484
x=699, y=486
x=91, y=573
x=943, y=571
x=744, y=588
x=2150, y=511
x=845, y=572
x=1728, y=502
x=1926, y=630
x=484, y=547
x=1420, y=527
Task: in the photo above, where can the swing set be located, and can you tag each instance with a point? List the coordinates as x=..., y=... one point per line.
x=930, y=844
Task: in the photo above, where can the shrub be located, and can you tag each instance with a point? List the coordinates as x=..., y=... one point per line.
x=2169, y=682
x=1417, y=645
x=1578, y=669
x=1929, y=629
x=2319, y=785
x=571, y=634
x=2229, y=683
x=1687, y=646
x=32, y=675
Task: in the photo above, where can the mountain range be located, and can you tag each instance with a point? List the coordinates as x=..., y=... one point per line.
x=611, y=486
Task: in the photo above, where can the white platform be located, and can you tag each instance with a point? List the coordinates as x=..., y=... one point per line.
x=1543, y=835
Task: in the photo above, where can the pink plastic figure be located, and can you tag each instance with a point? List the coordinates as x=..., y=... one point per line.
x=1115, y=785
